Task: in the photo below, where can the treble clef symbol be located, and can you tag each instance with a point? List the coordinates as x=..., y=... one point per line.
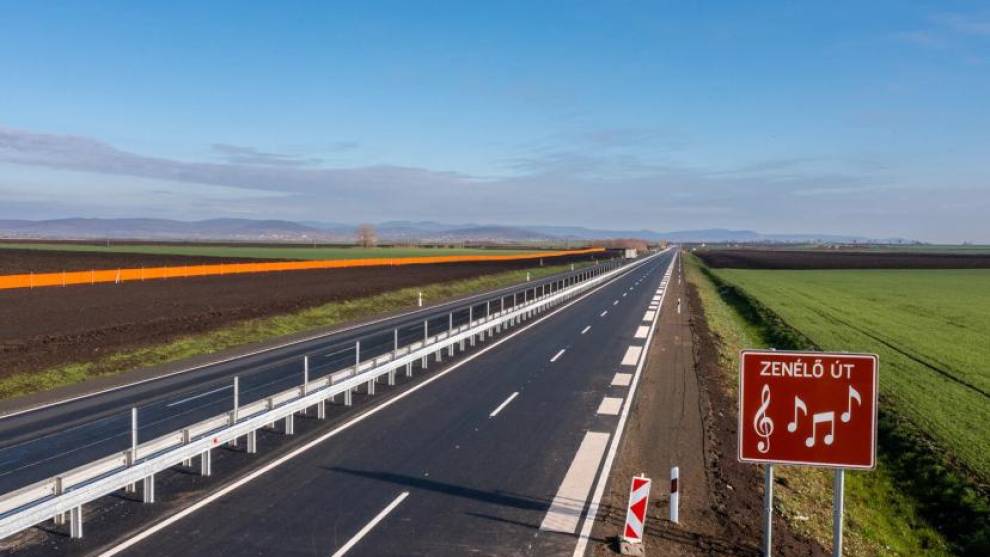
x=762, y=423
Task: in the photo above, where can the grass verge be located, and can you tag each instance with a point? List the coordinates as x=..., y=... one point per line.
x=255, y=330
x=881, y=517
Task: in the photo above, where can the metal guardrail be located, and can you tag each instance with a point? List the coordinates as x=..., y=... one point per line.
x=65, y=494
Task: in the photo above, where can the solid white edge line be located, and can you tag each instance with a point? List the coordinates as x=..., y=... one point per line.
x=558, y=355
x=334, y=432
x=589, y=519
x=367, y=527
x=503, y=405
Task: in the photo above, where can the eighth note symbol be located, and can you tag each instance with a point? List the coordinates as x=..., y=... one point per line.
x=798, y=405
x=818, y=418
x=853, y=394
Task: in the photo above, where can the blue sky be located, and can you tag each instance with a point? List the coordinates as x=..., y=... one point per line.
x=867, y=118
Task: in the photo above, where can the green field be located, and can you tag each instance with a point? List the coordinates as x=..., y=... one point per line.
x=263, y=252
x=931, y=329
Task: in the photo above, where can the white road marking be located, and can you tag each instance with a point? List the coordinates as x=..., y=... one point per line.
x=642, y=331
x=615, y=303
x=140, y=536
x=624, y=294
x=649, y=315
x=604, y=313
x=367, y=527
x=610, y=406
x=589, y=520
x=503, y=405
x=621, y=379
x=632, y=355
x=585, y=330
x=558, y=355
x=200, y=395
x=565, y=510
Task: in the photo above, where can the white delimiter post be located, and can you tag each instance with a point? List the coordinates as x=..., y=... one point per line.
x=420, y=302
x=305, y=387
x=675, y=497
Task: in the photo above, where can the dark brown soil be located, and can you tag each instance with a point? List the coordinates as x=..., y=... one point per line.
x=49, y=326
x=788, y=259
x=19, y=261
x=682, y=416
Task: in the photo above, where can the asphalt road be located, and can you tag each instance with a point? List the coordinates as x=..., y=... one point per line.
x=486, y=457
x=39, y=444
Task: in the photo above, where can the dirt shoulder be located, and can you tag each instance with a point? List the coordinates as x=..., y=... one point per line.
x=682, y=416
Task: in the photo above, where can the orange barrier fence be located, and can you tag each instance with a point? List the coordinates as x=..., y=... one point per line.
x=94, y=276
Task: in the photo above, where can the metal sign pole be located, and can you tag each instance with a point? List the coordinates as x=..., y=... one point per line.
x=838, y=488
x=768, y=510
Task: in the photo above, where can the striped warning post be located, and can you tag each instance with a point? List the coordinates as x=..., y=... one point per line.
x=639, y=494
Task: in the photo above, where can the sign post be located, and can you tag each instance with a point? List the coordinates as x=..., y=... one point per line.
x=808, y=408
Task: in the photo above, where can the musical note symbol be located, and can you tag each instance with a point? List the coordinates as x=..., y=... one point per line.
x=821, y=417
x=762, y=423
x=798, y=405
x=853, y=394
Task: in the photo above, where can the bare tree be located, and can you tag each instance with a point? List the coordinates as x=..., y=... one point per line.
x=366, y=236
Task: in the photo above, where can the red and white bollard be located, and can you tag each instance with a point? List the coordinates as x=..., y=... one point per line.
x=632, y=532
x=675, y=497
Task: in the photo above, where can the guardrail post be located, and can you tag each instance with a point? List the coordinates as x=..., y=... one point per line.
x=59, y=489
x=76, y=523
x=290, y=424
x=348, y=397
x=148, y=489
x=321, y=409
x=233, y=413
x=132, y=455
x=409, y=369
x=371, y=386
x=391, y=377
x=186, y=437
x=252, y=442
x=206, y=463
x=426, y=335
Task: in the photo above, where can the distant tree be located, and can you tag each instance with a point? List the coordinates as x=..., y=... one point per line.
x=366, y=236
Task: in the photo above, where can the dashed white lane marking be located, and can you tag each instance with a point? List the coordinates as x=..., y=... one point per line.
x=367, y=527
x=200, y=395
x=642, y=331
x=632, y=355
x=585, y=330
x=624, y=294
x=649, y=315
x=503, y=405
x=604, y=313
x=610, y=406
x=621, y=379
x=558, y=355
x=565, y=510
x=615, y=303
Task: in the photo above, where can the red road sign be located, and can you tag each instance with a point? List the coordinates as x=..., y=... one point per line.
x=811, y=408
x=639, y=494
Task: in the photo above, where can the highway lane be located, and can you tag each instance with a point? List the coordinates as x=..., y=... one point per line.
x=454, y=478
x=39, y=444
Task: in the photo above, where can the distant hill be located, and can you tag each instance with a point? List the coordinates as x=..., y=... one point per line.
x=391, y=231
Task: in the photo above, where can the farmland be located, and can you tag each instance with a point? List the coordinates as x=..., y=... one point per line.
x=243, y=252
x=928, y=326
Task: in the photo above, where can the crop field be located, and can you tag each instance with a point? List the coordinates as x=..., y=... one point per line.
x=259, y=251
x=928, y=326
